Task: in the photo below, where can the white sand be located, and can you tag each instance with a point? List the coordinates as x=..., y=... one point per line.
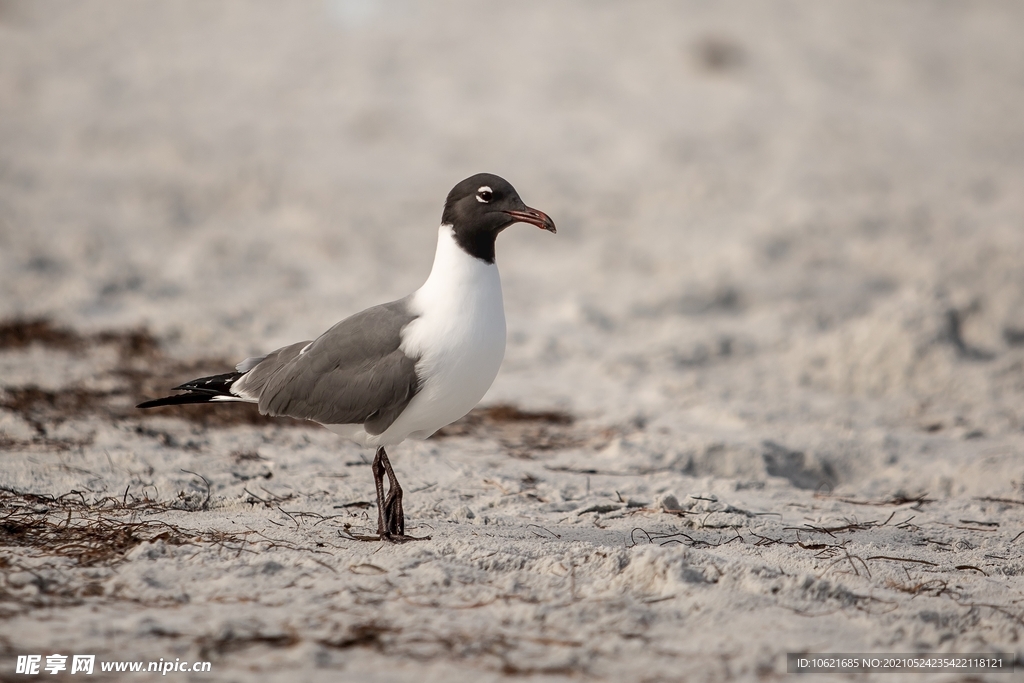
x=787, y=283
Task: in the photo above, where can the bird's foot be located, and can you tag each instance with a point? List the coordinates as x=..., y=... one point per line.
x=391, y=526
x=390, y=538
x=390, y=515
x=401, y=538
x=392, y=518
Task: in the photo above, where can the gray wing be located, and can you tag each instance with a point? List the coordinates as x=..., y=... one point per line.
x=353, y=373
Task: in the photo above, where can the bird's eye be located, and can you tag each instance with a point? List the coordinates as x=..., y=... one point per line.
x=484, y=194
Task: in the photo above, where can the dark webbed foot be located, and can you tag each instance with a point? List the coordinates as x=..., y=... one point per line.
x=390, y=516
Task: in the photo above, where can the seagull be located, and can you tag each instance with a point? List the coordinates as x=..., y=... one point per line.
x=400, y=370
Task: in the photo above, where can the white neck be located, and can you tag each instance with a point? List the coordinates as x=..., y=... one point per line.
x=455, y=274
x=461, y=300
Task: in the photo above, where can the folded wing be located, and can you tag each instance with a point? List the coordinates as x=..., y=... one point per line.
x=355, y=373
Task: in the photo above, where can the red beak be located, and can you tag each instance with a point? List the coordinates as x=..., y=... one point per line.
x=533, y=217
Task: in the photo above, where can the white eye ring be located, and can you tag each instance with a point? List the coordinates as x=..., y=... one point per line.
x=483, y=194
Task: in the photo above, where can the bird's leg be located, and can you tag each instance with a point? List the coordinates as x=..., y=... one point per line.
x=377, y=468
x=390, y=516
x=394, y=516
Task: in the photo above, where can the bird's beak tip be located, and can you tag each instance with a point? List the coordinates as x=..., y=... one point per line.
x=534, y=217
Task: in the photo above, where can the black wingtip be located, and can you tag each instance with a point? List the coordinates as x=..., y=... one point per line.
x=180, y=399
x=202, y=390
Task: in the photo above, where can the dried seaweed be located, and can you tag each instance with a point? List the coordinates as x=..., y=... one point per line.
x=902, y=559
x=681, y=538
x=19, y=333
x=520, y=432
x=140, y=366
x=60, y=541
x=897, y=500
x=230, y=641
x=842, y=528
x=359, y=635
x=89, y=533
x=933, y=587
x=22, y=332
x=42, y=408
x=1008, y=501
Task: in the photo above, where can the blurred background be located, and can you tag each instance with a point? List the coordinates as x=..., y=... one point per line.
x=785, y=220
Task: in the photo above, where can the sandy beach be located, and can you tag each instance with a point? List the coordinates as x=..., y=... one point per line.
x=763, y=392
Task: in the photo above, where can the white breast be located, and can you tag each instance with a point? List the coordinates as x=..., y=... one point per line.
x=458, y=336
